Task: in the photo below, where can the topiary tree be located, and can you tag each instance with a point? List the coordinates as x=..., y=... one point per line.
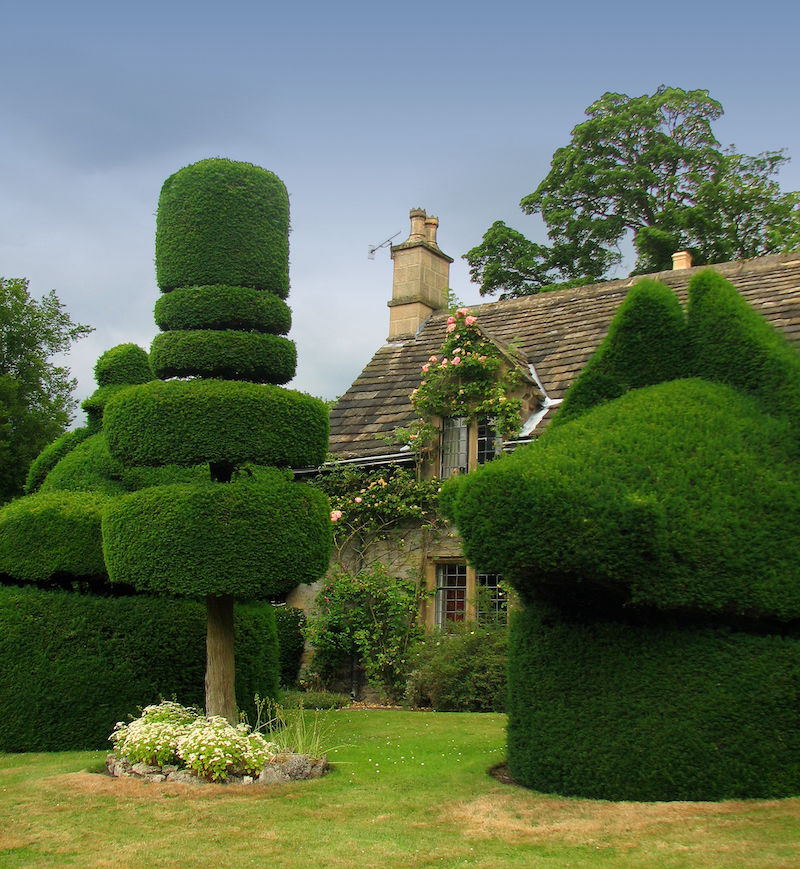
x=653, y=537
x=248, y=531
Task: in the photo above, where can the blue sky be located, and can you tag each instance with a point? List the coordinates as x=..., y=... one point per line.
x=365, y=110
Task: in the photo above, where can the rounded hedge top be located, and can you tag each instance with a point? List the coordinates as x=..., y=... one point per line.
x=123, y=364
x=222, y=222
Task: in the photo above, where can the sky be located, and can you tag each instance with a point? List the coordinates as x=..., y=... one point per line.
x=364, y=110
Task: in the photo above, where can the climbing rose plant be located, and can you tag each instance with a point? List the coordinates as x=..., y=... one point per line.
x=469, y=377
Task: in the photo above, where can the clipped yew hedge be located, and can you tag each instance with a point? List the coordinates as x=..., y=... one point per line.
x=193, y=422
x=290, y=622
x=72, y=665
x=733, y=344
x=682, y=496
x=254, y=537
x=223, y=307
x=228, y=354
x=223, y=222
x=647, y=343
x=51, y=455
x=125, y=363
x=618, y=711
x=88, y=468
x=52, y=533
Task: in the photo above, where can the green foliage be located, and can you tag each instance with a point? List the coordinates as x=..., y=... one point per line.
x=192, y=422
x=36, y=400
x=222, y=222
x=290, y=622
x=87, y=468
x=470, y=377
x=374, y=504
x=254, y=537
x=123, y=364
x=735, y=345
x=72, y=665
x=647, y=343
x=649, y=166
x=652, y=498
x=373, y=615
x=226, y=354
x=463, y=670
x=51, y=455
x=52, y=533
x=223, y=307
x=616, y=711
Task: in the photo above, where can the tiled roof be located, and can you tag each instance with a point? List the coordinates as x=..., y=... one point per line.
x=557, y=331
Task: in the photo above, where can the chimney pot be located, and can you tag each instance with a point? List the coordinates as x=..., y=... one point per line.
x=417, y=216
x=681, y=260
x=431, y=225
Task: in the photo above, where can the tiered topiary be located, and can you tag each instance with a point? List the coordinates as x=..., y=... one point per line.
x=653, y=535
x=247, y=532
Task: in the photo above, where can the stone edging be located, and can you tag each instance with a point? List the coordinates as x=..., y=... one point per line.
x=283, y=768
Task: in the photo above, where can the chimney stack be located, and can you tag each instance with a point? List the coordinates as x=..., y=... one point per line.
x=421, y=277
x=681, y=260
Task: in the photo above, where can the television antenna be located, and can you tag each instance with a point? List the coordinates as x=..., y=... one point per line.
x=373, y=247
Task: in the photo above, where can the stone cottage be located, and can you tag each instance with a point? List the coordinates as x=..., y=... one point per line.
x=549, y=337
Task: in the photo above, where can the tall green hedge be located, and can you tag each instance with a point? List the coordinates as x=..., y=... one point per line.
x=227, y=354
x=192, y=422
x=51, y=455
x=52, y=533
x=647, y=343
x=222, y=307
x=222, y=222
x=290, y=622
x=73, y=665
x=254, y=537
x=616, y=711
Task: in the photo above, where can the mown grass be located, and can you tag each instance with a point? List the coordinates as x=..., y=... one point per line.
x=409, y=789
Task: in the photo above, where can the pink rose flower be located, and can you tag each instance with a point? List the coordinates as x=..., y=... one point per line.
x=358, y=500
x=450, y=321
x=456, y=360
x=336, y=515
x=470, y=320
x=463, y=311
x=433, y=359
x=451, y=327
x=444, y=362
x=426, y=367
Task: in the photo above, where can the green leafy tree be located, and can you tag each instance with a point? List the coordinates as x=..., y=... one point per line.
x=36, y=400
x=650, y=167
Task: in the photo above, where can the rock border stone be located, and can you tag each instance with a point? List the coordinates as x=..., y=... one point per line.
x=281, y=769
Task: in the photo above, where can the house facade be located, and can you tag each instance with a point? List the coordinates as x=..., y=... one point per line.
x=548, y=337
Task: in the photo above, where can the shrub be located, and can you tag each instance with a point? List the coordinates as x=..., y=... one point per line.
x=72, y=665
x=254, y=537
x=651, y=711
x=463, y=670
x=50, y=456
x=226, y=354
x=193, y=422
x=290, y=622
x=221, y=307
x=124, y=364
x=371, y=614
x=222, y=222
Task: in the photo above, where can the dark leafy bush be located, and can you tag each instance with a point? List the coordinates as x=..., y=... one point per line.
x=222, y=222
x=290, y=622
x=123, y=364
x=253, y=538
x=221, y=307
x=88, y=468
x=227, y=354
x=682, y=496
x=73, y=665
x=193, y=422
x=463, y=670
x=616, y=711
x=95, y=405
x=51, y=455
x=647, y=343
x=52, y=533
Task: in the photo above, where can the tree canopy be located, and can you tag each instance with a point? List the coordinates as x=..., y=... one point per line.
x=36, y=395
x=648, y=167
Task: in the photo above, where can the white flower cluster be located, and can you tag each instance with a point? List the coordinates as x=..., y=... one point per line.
x=171, y=733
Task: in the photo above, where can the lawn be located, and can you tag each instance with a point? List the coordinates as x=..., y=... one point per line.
x=408, y=789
